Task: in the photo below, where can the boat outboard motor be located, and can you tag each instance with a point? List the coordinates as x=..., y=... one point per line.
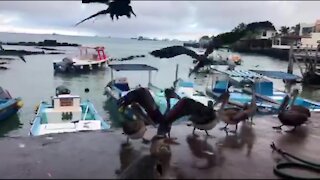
x=62, y=90
x=65, y=64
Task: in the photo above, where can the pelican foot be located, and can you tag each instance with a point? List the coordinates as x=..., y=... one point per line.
x=223, y=128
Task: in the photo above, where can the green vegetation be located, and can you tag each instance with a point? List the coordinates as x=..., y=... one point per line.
x=242, y=31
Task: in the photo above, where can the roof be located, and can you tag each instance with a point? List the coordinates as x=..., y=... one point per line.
x=277, y=74
x=132, y=67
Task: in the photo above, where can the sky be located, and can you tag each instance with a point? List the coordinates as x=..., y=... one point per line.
x=183, y=20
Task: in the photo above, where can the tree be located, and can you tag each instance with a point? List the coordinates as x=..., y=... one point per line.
x=284, y=30
x=240, y=27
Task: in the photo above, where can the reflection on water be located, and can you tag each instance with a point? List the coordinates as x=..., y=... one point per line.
x=202, y=150
x=10, y=124
x=245, y=137
x=127, y=155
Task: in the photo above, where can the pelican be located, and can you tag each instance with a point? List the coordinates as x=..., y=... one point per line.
x=298, y=108
x=290, y=117
x=236, y=115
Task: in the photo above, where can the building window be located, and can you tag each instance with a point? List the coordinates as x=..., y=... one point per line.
x=264, y=33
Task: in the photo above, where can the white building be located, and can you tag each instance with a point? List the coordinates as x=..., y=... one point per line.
x=266, y=34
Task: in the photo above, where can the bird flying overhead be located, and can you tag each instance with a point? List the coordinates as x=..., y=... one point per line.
x=173, y=51
x=115, y=8
x=11, y=53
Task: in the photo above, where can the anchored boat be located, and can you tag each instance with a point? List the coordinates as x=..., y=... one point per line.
x=66, y=113
x=90, y=58
x=268, y=99
x=119, y=87
x=8, y=106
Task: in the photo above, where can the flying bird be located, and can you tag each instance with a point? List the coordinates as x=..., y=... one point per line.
x=172, y=51
x=4, y=52
x=115, y=8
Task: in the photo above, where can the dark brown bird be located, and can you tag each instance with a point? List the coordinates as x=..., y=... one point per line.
x=11, y=53
x=235, y=115
x=116, y=8
x=290, y=117
x=298, y=108
x=172, y=51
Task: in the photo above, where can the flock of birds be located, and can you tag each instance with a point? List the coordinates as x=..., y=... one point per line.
x=288, y=114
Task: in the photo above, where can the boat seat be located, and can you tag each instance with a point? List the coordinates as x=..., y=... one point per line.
x=122, y=86
x=221, y=86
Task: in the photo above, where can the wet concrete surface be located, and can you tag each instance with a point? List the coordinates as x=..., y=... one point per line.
x=101, y=154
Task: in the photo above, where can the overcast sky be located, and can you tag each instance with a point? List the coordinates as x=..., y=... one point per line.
x=183, y=20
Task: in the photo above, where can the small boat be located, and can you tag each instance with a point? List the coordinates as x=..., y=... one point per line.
x=90, y=58
x=119, y=86
x=66, y=113
x=8, y=106
x=268, y=99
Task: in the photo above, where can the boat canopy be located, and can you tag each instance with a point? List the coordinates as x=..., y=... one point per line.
x=277, y=74
x=132, y=67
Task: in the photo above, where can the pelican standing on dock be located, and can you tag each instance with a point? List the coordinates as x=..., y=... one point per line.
x=298, y=108
x=290, y=117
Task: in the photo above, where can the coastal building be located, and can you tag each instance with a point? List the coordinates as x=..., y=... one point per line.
x=303, y=35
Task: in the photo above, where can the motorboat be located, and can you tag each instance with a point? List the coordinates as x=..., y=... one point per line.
x=66, y=113
x=8, y=106
x=88, y=59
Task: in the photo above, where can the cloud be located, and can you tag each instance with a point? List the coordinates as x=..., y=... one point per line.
x=172, y=19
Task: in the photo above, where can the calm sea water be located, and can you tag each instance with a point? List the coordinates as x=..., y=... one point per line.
x=35, y=81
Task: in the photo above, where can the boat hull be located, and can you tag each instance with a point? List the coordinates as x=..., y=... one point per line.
x=9, y=108
x=63, y=68
x=92, y=123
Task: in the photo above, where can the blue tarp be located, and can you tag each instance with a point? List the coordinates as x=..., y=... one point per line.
x=277, y=74
x=132, y=67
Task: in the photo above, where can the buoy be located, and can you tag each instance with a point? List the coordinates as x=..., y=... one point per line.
x=20, y=104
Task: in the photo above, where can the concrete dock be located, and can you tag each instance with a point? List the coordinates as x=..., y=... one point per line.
x=97, y=154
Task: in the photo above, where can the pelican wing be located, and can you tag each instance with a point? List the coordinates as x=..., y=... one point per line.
x=106, y=11
x=173, y=51
x=209, y=49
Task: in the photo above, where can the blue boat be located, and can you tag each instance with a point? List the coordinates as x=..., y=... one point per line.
x=8, y=106
x=66, y=113
x=119, y=86
x=268, y=99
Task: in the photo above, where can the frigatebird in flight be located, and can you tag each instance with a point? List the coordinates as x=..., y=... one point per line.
x=115, y=8
x=11, y=53
x=172, y=51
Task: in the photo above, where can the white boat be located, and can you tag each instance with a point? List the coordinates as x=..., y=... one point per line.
x=66, y=114
x=88, y=59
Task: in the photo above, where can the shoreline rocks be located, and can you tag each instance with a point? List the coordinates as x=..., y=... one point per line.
x=52, y=43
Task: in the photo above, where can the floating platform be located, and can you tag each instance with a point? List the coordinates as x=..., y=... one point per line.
x=97, y=154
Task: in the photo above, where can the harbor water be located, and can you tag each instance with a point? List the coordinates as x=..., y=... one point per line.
x=35, y=80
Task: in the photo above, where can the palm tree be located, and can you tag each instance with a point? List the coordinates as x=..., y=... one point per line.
x=284, y=30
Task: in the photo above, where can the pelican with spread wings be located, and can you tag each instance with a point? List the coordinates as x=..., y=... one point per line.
x=115, y=8
x=172, y=51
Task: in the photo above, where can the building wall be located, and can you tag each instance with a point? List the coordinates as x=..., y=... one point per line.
x=304, y=26
x=317, y=26
x=266, y=34
x=311, y=41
